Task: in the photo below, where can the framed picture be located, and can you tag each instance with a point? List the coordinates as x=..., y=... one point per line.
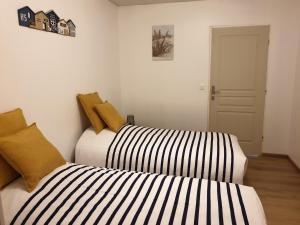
x=163, y=42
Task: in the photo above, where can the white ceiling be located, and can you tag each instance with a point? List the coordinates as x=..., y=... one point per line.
x=144, y=2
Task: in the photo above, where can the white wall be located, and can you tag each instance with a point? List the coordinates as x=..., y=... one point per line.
x=42, y=72
x=295, y=128
x=167, y=93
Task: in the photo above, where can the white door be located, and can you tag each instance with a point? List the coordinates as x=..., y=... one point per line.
x=238, y=83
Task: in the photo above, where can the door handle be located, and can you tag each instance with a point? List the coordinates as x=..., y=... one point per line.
x=214, y=92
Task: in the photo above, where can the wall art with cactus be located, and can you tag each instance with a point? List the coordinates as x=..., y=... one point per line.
x=163, y=42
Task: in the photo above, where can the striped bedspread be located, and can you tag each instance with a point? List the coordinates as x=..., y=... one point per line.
x=77, y=194
x=210, y=155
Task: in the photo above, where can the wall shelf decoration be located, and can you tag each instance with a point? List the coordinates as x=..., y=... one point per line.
x=49, y=22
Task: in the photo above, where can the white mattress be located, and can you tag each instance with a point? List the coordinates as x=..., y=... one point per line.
x=118, y=193
x=93, y=149
x=14, y=195
x=10, y=198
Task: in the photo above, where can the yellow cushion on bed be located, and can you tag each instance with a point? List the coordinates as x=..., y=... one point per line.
x=111, y=116
x=31, y=154
x=88, y=102
x=10, y=123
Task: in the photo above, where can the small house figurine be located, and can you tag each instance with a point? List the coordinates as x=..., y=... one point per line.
x=72, y=28
x=41, y=21
x=53, y=21
x=63, y=28
x=26, y=16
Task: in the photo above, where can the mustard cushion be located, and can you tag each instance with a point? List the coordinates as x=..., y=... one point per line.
x=111, y=116
x=31, y=154
x=10, y=123
x=88, y=102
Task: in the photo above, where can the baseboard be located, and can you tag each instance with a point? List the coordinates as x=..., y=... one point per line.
x=252, y=156
x=295, y=165
x=272, y=155
x=280, y=156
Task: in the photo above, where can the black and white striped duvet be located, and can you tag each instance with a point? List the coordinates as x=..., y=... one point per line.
x=77, y=194
x=210, y=155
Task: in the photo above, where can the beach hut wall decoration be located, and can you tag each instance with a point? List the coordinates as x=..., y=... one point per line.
x=26, y=16
x=53, y=21
x=41, y=22
x=63, y=28
x=72, y=28
x=49, y=22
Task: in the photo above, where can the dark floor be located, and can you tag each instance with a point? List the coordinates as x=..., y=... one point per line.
x=277, y=182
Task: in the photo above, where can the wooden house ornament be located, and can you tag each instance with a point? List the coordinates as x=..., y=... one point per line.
x=41, y=21
x=63, y=28
x=53, y=21
x=49, y=22
x=26, y=16
x=72, y=28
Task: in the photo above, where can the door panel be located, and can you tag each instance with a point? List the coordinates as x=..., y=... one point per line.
x=238, y=80
x=237, y=63
x=237, y=123
x=236, y=101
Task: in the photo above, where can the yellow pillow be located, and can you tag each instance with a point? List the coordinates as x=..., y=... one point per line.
x=29, y=153
x=10, y=123
x=110, y=116
x=88, y=102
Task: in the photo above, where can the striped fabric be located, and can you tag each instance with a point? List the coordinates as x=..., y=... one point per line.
x=175, y=152
x=77, y=194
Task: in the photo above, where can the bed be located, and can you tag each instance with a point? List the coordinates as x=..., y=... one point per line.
x=209, y=155
x=78, y=194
